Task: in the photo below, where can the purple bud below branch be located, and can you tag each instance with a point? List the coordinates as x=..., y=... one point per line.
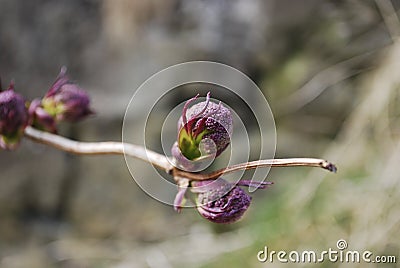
x=220, y=201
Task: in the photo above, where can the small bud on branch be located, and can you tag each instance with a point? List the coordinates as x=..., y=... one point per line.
x=13, y=118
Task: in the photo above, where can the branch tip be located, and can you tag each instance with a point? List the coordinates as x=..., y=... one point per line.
x=329, y=166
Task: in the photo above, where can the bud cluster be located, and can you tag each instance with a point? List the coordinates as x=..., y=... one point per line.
x=204, y=132
x=64, y=101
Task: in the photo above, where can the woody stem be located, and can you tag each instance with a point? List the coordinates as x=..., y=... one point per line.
x=159, y=160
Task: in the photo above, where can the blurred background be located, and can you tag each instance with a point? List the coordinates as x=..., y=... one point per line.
x=329, y=69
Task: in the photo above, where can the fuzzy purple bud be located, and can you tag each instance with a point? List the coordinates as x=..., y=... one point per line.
x=65, y=100
x=222, y=202
x=13, y=118
x=204, y=131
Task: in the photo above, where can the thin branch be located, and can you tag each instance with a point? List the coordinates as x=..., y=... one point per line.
x=287, y=162
x=99, y=148
x=159, y=160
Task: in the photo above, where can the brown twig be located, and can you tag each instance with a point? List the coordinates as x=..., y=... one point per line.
x=286, y=162
x=99, y=148
x=159, y=160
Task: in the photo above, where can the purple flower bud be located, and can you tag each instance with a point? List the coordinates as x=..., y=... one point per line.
x=65, y=100
x=13, y=118
x=222, y=202
x=204, y=131
x=40, y=119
